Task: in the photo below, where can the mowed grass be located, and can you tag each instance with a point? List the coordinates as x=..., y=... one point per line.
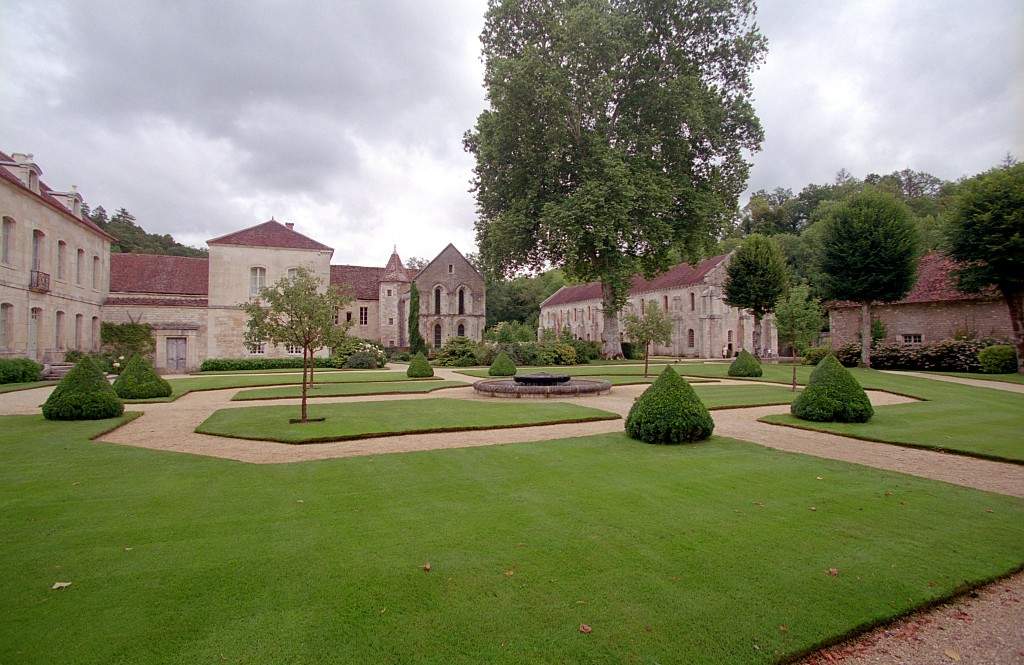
x=15, y=387
x=348, y=389
x=727, y=397
x=699, y=554
x=1005, y=378
x=359, y=420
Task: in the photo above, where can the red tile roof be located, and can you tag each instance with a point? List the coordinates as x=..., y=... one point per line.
x=46, y=196
x=395, y=271
x=363, y=282
x=269, y=234
x=681, y=275
x=935, y=283
x=158, y=302
x=152, y=273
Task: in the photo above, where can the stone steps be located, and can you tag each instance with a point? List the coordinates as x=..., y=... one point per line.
x=57, y=370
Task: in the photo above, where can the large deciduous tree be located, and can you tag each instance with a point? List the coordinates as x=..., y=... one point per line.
x=869, y=253
x=798, y=319
x=986, y=235
x=652, y=326
x=616, y=132
x=756, y=278
x=296, y=311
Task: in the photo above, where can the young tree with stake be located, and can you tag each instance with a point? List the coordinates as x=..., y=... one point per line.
x=798, y=319
x=653, y=326
x=756, y=278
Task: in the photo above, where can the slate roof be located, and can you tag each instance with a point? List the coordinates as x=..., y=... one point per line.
x=46, y=196
x=681, y=275
x=935, y=283
x=271, y=233
x=153, y=273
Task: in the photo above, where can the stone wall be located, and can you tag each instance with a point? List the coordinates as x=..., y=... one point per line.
x=169, y=321
x=934, y=321
x=449, y=274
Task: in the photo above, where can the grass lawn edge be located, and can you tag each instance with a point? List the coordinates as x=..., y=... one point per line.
x=236, y=398
x=123, y=420
x=172, y=398
x=31, y=385
x=920, y=446
x=429, y=430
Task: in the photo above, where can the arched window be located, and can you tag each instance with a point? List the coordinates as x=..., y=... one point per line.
x=79, y=265
x=689, y=338
x=7, y=241
x=58, y=338
x=693, y=301
x=94, y=338
x=96, y=272
x=437, y=300
x=462, y=302
x=664, y=302
x=6, y=326
x=437, y=335
x=62, y=257
x=37, y=249
x=257, y=280
x=79, y=320
x=729, y=336
x=35, y=322
x=461, y=330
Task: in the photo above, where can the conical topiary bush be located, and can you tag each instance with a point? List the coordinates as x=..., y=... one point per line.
x=502, y=366
x=83, y=394
x=138, y=380
x=745, y=364
x=669, y=411
x=419, y=368
x=832, y=395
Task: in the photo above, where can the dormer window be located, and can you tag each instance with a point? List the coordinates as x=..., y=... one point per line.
x=33, y=181
x=257, y=280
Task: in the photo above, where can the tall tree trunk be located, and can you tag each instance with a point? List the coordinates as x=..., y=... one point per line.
x=755, y=335
x=304, y=384
x=611, y=344
x=1015, y=303
x=865, y=334
x=647, y=355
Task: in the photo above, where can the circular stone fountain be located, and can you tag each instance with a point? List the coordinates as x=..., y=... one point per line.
x=541, y=384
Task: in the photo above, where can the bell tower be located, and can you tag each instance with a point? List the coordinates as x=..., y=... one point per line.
x=394, y=302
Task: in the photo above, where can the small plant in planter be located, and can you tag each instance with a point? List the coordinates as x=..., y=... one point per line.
x=83, y=394
x=419, y=368
x=745, y=364
x=502, y=366
x=139, y=380
x=669, y=411
x=832, y=395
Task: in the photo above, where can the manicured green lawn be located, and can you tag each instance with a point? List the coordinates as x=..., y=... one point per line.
x=218, y=382
x=358, y=420
x=336, y=389
x=15, y=387
x=1007, y=378
x=701, y=554
x=982, y=422
x=724, y=397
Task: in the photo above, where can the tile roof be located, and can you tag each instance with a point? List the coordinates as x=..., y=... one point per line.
x=363, y=282
x=157, y=302
x=683, y=274
x=271, y=233
x=46, y=195
x=154, y=273
x=395, y=270
x=935, y=283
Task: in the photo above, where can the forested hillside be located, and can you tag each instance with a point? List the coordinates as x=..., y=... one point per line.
x=133, y=238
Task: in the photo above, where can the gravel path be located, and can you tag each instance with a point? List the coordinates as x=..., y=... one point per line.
x=977, y=383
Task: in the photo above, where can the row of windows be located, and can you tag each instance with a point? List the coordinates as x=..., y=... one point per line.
x=438, y=299
x=39, y=338
x=258, y=278
x=7, y=246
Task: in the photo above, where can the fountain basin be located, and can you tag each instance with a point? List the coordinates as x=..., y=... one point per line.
x=567, y=387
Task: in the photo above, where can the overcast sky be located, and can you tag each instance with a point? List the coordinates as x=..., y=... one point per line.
x=346, y=118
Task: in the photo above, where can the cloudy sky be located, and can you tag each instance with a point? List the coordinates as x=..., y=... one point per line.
x=347, y=117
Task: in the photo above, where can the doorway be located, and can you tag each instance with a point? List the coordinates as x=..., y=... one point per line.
x=176, y=353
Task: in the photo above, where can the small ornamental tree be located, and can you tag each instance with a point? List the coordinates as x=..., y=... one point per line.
x=669, y=411
x=832, y=395
x=83, y=394
x=745, y=364
x=756, y=278
x=296, y=311
x=138, y=380
x=798, y=319
x=419, y=367
x=986, y=235
x=869, y=254
x=416, y=343
x=652, y=326
x=502, y=366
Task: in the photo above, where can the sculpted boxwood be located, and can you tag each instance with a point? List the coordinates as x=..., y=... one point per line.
x=139, y=380
x=745, y=365
x=669, y=411
x=502, y=366
x=419, y=368
x=84, y=394
x=832, y=395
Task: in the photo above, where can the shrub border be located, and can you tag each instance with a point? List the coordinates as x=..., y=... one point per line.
x=461, y=384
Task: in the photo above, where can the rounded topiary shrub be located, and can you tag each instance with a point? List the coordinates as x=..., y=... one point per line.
x=832, y=395
x=361, y=360
x=502, y=366
x=419, y=368
x=745, y=364
x=814, y=354
x=139, y=380
x=669, y=411
x=998, y=359
x=83, y=394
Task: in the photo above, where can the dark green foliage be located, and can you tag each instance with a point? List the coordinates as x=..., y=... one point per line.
x=832, y=395
x=669, y=411
x=419, y=368
x=848, y=354
x=518, y=300
x=416, y=342
x=631, y=351
x=83, y=394
x=457, y=352
x=745, y=364
x=247, y=364
x=948, y=355
x=19, y=370
x=138, y=380
x=361, y=360
x=347, y=346
x=756, y=275
x=502, y=366
x=815, y=354
x=127, y=339
x=133, y=238
x=998, y=359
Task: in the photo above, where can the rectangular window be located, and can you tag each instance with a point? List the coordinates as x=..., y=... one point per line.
x=391, y=321
x=62, y=257
x=912, y=339
x=6, y=325
x=256, y=349
x=257, y=280
x=364, y=316
x=79, y=266
x=7, y=240
x=96, y=272
x=78, y=331
x=293, y=350
x=293, y=273
x=451, y=268
x=389, y=293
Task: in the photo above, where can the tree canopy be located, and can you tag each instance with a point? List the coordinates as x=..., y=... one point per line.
x=133, y=238
x=653, y=326
x=756, y=278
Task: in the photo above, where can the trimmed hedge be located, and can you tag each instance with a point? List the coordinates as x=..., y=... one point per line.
x=745, y=364
x=815, y=354
x=998, y=359
x=948, y=355
x=502, y=366
x=248, y=364
x=19, y=370
x=361, y=360
x=419, y=368
x=669, y=411
x=83, y=394
x=832, y=395
x=139, y=380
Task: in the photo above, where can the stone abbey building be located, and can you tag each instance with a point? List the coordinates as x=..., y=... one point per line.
x=59, y=280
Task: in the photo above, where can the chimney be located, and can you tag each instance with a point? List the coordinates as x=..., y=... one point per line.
x=290, y=226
